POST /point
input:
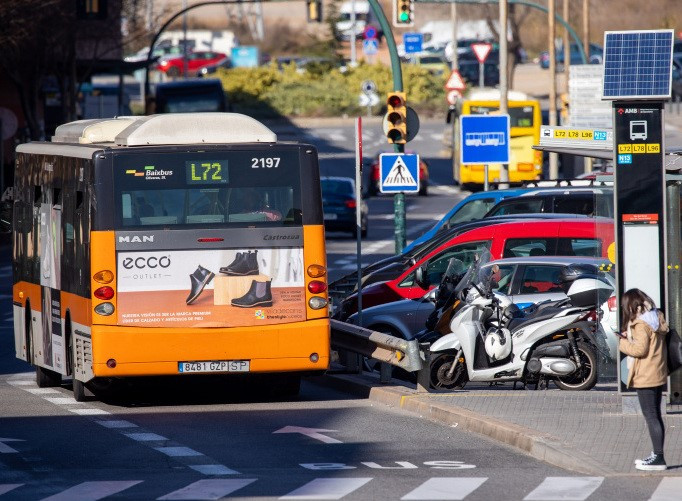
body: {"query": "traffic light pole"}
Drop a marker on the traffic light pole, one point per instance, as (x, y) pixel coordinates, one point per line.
(396, 70)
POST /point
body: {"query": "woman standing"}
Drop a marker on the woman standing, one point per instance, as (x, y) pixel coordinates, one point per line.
(644, 343)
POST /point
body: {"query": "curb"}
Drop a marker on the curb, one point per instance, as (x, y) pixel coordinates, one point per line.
(540, 446)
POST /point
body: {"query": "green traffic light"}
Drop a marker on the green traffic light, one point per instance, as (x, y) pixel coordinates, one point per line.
(404, 17)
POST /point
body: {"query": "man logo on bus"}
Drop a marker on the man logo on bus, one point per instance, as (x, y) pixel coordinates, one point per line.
(136, 239)
(150, 262)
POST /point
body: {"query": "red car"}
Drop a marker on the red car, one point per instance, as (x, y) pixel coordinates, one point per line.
(556, 237)
(375, 175)
(174, 66)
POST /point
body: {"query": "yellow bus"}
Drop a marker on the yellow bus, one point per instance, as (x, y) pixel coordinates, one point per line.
(525, 122)
(170, 244)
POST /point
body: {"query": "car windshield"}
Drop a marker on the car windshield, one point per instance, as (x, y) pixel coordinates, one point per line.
(336, 187)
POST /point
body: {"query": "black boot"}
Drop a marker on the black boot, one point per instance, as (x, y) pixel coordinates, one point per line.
(238, 259)
(259, 295)
(198, 280)
(247, 265)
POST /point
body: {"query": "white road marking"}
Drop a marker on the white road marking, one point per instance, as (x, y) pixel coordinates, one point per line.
(565, 489)
(445, 488)
(62, 400)
(436, 136)
(213, 469)
(20, 382)
(178, 451)
(327, 488)
(145, 437)
(8, 487)
(92, 491)
(668, 490)
(214, 488)
(43, 391)
(89, 412)
(310, 432)
(21, 375)
(116, 423)
(6, 449)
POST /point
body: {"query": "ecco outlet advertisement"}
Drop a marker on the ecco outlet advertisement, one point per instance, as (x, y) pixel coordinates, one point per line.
(211, 288)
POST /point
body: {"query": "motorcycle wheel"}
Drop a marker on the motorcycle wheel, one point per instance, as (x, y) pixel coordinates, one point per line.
(440, 366)
(588, 374)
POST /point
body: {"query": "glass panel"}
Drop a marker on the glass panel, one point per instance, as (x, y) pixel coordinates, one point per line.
(579, 247)
(518, 116)
(541, 279)
(503, 278)
(575, 205)
(521, 206)
(524, 247)
(475, 209)
(464, 252)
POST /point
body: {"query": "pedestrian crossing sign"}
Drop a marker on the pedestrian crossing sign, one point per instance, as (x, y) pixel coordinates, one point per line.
(399, 173)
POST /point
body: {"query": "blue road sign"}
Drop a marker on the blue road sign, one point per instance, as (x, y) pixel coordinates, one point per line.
(245, 56)
(370, 32)
(484, 139)
(399, 173)
(370, 46)
(413, 42)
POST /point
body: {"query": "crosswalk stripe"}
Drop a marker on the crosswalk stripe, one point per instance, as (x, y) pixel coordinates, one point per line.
(209, 489)
(213, 469)
(145, 437)
(669, 489)
(92, 491)
(43, 391)
(327, 488)
(62, 400)
(445, 488)
(565, 489)
(116, 423)
(178, 451)
(89, 412)
(8, 487)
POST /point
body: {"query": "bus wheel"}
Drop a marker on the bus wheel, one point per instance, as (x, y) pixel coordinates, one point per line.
(46, 378)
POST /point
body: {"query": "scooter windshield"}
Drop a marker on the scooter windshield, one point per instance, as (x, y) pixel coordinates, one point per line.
(475, 275)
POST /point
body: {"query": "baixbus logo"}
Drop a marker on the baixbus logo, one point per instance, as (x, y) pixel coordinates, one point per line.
(150, 172)
(135, 239)
(142, 263)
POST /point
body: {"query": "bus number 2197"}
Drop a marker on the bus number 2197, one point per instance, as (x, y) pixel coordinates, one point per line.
(265, 163)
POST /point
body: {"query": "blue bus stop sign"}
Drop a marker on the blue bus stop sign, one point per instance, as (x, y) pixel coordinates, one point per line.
(413, 42)
(484, 139)
(399, 173)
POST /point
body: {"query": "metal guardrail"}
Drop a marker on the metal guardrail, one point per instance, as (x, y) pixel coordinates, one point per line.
(410, 356)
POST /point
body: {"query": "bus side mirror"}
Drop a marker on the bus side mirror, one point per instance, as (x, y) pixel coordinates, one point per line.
(421, 278)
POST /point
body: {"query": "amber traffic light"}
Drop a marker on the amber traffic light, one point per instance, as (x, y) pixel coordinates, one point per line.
(396, 118)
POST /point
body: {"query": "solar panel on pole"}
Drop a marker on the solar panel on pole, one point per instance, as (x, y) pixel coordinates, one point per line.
(637, 64)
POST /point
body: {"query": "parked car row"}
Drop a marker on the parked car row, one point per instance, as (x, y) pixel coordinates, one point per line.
(532, 233)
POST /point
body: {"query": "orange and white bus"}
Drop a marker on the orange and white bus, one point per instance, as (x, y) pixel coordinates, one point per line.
(169, 245)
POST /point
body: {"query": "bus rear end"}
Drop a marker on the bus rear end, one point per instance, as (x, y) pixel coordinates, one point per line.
(208, 259)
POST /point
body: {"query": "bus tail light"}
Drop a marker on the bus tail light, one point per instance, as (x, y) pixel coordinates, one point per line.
(525, 167)
(351, 204)
(103, 277)
(317, 303)
(316, 270)
(104, 309)
(317, 287)
(105, 293)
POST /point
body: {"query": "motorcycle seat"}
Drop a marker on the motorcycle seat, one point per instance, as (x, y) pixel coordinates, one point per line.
(547, 311)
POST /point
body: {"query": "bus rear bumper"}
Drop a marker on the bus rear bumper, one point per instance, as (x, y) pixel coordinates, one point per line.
(134, 351)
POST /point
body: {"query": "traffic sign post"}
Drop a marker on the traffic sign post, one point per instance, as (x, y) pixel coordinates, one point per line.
(484, 139)
(481, 51)
(399, 173)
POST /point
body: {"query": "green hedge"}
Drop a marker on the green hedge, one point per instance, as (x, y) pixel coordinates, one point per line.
(324, 91)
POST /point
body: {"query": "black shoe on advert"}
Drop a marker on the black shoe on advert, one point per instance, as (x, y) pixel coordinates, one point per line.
(259, 295)
(238, 258)
(247, 265)
(652, 463)
(198, 280)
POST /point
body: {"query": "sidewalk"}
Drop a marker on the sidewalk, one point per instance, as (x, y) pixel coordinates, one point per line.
(581, 431)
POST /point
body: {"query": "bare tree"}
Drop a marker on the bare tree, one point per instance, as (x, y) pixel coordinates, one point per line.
(518, 15)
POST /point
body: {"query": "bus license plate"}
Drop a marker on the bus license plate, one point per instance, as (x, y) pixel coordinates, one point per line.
(214, 366)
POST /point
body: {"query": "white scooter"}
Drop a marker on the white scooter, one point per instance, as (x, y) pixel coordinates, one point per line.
(491, 340)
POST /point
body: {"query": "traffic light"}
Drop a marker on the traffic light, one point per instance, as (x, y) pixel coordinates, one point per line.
(314, 11)
(396, 118)
(403, 13)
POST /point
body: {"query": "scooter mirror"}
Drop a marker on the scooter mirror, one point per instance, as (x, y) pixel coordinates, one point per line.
(421, 278)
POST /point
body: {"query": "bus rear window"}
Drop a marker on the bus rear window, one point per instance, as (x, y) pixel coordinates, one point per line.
(209, 189)
(519, 116)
